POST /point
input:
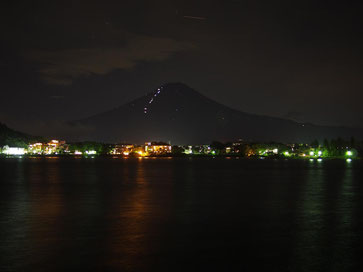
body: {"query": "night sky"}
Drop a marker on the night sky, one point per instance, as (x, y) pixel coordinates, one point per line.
(66, 60)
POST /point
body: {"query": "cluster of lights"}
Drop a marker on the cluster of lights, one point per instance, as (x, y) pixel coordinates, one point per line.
(349, 154)
(16, 151)
(264, 152)
(319, 153)
(189, 150)
(45, 148)
(152, 99)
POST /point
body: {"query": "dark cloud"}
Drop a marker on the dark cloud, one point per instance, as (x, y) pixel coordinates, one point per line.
(63, 66)
(78, 39)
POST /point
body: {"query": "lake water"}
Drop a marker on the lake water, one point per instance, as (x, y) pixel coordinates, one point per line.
(180, 214)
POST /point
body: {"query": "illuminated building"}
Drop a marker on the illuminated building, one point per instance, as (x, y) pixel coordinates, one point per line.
(36, 148)
(157, 148)
(17, 151)
(53, 147)
(123, 149)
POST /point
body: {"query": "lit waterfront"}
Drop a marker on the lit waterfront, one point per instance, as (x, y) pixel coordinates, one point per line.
(341, 149)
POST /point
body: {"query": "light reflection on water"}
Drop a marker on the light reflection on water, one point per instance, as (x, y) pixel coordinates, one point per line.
(175, 214)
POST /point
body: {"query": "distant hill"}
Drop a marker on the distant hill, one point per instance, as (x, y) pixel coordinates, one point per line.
(15, 138)
(175, 112)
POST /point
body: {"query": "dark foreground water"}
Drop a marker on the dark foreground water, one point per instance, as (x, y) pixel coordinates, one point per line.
(105, 214)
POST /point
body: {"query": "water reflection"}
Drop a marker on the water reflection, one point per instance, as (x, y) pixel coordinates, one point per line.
(130, 219)
(138, 214)
(14, 216)
(324, 233)
(47, 209)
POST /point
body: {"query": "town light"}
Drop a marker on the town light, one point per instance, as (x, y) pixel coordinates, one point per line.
(13, 151)
(91, 152)
(188, 151)
(319, 153)
(311, 153)
(349, 160)
(349, 153)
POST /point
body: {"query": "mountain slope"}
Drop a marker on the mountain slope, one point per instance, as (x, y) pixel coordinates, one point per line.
(174, 112)
(14, 138)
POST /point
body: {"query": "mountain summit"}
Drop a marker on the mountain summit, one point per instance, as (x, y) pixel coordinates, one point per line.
(175, 112)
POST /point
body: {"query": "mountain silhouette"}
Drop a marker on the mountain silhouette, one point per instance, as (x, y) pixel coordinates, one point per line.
(177, 113)
(15, 138)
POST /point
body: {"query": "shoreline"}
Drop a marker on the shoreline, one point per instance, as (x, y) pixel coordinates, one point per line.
(280, 158)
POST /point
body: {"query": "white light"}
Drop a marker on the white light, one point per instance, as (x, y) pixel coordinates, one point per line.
(349, 160)
(320, 160)
(13, 151)
(77, 152)
(91, 152)
(275, 151)
(319, 153)
(311, 160)
(349, 153)
(311, 153)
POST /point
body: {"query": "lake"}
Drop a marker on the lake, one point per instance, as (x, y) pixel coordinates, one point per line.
(180, 214)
